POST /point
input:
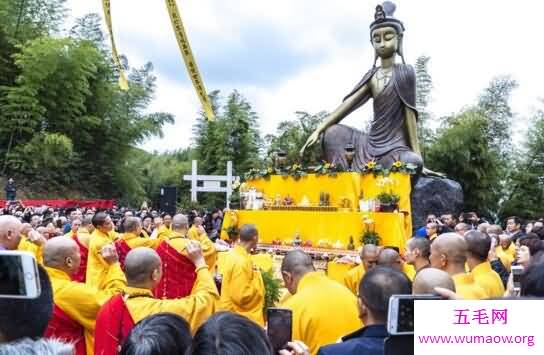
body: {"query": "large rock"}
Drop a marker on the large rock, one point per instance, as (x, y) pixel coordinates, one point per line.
(435, 195)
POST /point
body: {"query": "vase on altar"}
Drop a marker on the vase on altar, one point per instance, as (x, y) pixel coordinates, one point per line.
(388, 207)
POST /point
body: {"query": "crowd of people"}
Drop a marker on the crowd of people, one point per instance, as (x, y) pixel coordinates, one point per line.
(142, 282)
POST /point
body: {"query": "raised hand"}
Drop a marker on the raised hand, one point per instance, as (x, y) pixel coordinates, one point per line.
(109, 253)
(194, 252)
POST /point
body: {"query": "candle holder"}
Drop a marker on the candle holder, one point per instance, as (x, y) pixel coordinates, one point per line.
(349, 153)
(281, 159)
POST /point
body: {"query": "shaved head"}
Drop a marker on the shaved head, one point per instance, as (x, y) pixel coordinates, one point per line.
(179, 222)
(140, 263)
(297, 263)
(453, 246)
(56, 251)
(421, 244)
(427, 279)
(390, 258)
(10, 232)
(478, 245)
(369, 256)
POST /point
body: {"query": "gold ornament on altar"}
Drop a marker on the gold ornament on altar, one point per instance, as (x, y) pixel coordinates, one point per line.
(305, 202)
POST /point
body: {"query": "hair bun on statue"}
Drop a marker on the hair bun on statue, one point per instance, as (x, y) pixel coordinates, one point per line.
(384, 17)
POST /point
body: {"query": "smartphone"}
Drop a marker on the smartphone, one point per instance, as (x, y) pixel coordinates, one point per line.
(400, 318)
(280, 327)
(517, 271)
(18, 275)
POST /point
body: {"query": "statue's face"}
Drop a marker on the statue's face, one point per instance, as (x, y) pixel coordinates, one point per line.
(385, 41)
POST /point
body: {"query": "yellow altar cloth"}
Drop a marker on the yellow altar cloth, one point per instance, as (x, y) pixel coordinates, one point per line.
(315, 226)
(344, 185)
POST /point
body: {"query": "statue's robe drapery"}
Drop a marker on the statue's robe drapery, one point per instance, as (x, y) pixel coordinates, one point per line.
(387, 140)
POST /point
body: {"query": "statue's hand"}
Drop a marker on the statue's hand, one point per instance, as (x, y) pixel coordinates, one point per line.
(312, 139)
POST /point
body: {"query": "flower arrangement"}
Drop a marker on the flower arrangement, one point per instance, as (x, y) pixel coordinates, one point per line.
(388, 198)
(369, 236)
(372, 167)
(326, 168)
(297, 171)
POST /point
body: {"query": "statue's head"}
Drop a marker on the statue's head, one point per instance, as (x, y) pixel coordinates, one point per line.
(386, 32)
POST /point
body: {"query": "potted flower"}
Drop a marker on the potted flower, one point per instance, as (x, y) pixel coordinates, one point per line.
(389, 201)
(370, 236)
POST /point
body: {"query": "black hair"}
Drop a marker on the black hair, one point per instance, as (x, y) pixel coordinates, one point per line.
(478, 244)
(22, 318)
(531, 241)
(377, 286)
(227, 333)
(516, 219)
(532, 282)
(162, 333)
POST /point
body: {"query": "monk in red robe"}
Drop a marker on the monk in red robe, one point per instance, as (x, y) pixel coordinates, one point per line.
(131, 239)
(177, 269)
(77, 304)
(143, 271)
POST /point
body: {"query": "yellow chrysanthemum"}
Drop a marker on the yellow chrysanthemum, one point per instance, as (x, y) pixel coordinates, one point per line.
(397, 164)
(270, 170)
(371, 164)
(327, 166)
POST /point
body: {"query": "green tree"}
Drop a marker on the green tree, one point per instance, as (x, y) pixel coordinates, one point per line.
(89, 28)
(291, 135)
(233, 136)
(494, 103)
(463, 152)
(525, 185)
(24, 20)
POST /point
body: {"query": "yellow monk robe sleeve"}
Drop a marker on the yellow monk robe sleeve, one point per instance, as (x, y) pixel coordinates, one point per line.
(28, 246)
(208, 250)
(247, 290)
(82, 302)
(199, 305)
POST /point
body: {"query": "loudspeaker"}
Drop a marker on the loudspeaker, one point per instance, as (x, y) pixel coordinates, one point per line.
(168, 199)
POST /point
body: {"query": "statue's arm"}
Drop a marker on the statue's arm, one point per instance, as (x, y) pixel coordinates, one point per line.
(411, 129)
(344, 109)
(338, 115)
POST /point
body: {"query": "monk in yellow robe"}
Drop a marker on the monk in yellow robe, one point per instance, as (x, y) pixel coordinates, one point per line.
(132, 239)
(479, 245)
(97, 267)
(323, 309)
(506, 251)
(242, 288)
(197, 228)
(449, 253)
(369, 258)
(375, 290)
(143, 271)
(165, 230)
(77, 304)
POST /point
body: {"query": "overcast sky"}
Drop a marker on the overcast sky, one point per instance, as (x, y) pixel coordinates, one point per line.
(305, 55)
